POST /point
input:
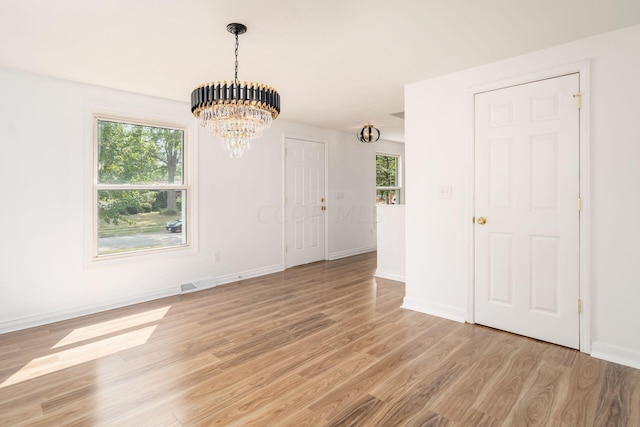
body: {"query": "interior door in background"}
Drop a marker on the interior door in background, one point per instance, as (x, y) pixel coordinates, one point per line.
(305, 205)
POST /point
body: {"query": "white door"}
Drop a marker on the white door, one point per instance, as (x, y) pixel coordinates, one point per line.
(527, 190)
(305, 202)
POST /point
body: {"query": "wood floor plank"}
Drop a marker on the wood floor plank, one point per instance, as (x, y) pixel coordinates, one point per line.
(415, 402)
(475, 418)
(405, 377)
(316, 345)
(127, 396)
(431, 419)
(18, 415)
(536, 404)
(508, 386)
(304, 418)
(585, 382)
(347, 394)
(296, 400)
(258, 398)
(231, 388)
(360, 413)
(618, 399)
(474, 383)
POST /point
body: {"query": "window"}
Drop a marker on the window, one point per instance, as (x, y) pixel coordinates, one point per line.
(140, 191)
(388, 185)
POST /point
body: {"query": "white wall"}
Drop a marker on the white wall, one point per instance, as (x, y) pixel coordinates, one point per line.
(439, 139)
(45, 166)
(391, 242)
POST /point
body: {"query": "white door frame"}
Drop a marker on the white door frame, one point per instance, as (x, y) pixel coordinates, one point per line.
(283, 208)
(583, 68)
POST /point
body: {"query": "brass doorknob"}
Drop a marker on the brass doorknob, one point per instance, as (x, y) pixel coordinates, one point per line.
(482, 220)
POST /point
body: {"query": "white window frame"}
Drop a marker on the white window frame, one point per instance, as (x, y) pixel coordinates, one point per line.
(397, 188)
(187, 208)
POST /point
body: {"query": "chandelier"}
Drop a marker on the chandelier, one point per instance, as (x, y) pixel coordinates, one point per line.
(235, 112)
(366, 134)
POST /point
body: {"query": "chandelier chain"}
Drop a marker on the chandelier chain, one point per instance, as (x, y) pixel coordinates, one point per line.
(237, 45)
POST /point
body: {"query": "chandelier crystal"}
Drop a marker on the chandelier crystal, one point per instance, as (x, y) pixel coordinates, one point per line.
(235, 112)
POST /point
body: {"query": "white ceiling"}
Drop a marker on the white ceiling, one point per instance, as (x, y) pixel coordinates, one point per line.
(337, 64)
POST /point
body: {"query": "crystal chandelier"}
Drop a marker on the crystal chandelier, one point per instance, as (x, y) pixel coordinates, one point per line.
(235, 112)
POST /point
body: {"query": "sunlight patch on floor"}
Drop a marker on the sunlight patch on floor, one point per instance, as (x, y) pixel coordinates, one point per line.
(54, 362)
(111, 326)
(65, 359)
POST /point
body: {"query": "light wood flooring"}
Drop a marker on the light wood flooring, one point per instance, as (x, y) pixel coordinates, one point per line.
(322, 344)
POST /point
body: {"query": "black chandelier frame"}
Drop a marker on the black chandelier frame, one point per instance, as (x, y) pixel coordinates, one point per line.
(235, 93)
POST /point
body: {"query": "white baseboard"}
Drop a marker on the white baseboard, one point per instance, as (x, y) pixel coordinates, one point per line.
(351, 252)
(57, 316)
(613, 353)
(389, 275)
(440, 310)
(244, 275)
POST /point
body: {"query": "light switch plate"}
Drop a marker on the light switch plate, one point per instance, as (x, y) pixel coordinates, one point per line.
(444, 192)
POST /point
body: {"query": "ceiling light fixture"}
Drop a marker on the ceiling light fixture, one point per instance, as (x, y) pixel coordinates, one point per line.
(235, 112)
(366, 134)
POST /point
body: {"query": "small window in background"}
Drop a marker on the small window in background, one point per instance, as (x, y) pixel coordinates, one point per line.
(140, 192)
(388, 186)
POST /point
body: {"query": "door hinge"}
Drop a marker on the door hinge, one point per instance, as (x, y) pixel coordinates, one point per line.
(579, 204)
(578, 97)
(286, 248)
(579, 306)
(285, 152)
